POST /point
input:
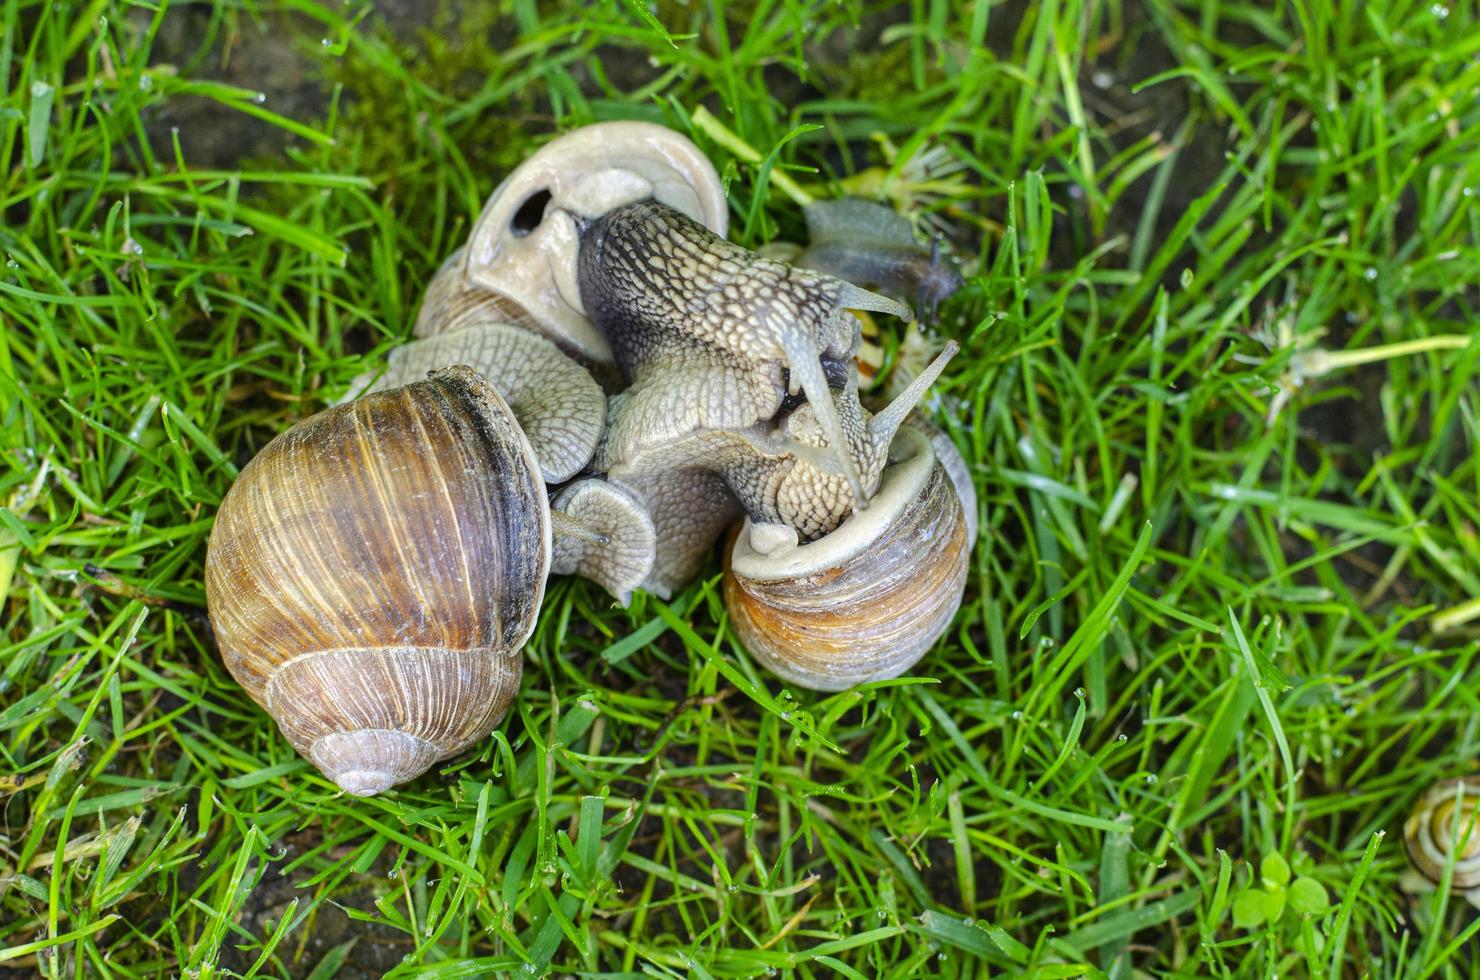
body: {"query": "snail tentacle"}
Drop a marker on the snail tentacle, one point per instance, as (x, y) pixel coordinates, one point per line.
(604, 533)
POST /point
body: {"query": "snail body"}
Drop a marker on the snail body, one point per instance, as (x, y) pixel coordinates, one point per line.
(715, 341)
(692, 314)
(776, 473)
(867, 243)
(370, 596)
(1446, 818)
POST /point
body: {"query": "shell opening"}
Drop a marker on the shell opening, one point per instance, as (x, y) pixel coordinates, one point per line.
(901, 483)
(529, 215)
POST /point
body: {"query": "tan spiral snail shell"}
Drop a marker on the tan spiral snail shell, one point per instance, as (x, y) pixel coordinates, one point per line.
(374, 571)
(1445, 826)
(866, 601)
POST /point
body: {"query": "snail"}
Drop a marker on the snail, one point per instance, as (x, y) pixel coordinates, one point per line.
(1446, 819)
(522, 254)
(375, 570)
(711, 335)
(866, 601)
(370, 596)
(715, 341)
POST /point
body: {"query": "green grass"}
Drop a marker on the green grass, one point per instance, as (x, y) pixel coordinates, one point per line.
(1225, 605)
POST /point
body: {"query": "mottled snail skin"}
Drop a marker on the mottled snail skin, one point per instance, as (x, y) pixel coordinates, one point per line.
(720, 331)
(690, 508)
(374, 571)
(872, 245)
(559, 406)
(1448, 813)
(865, 602)
(695, 485)
(778, 471)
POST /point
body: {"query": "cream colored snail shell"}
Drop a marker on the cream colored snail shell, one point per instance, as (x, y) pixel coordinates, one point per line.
(374, 572)
(868, 600)
(1448, 813)
(524, 246)
(451, 302)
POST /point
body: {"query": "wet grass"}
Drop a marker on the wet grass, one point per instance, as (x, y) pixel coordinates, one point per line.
(1218, 389)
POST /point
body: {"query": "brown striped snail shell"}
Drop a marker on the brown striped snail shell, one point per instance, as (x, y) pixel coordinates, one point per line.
(866, 601)
(1446, 817)
(374, 571)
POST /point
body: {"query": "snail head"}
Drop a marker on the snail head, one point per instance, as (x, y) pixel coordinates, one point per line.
(813, 496)
(664, 289)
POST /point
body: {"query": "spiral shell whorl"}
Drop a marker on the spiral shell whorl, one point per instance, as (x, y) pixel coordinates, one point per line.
(1433, 830)
(452, 302)
(374, 571)
(865, 616)
(395, 711)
